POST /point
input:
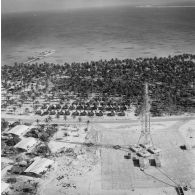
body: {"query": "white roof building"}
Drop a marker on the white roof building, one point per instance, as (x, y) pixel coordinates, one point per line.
(19, 130)
(39, 165)
(4, 186)
(27, 144)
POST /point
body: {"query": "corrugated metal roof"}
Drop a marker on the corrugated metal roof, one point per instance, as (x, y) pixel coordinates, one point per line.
(26, 143)
(19, 130)
(4, 186)
(39, 165)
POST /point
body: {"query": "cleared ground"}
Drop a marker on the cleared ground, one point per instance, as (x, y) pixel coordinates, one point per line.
(102, 170)
(121, 174)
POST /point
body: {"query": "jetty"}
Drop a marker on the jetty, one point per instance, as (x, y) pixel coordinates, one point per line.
(39, 56)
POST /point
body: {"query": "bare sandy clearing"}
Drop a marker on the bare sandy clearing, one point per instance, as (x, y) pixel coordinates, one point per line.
(99, 170)
(188, 132)
(120, 174)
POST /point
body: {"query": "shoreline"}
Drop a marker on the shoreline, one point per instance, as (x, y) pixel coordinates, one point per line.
(53, 59)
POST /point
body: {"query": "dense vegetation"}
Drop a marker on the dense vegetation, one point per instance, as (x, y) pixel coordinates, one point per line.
(44, 133)
(171, 80)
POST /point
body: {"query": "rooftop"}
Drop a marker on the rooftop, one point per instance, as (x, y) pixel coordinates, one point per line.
(39, 165)
(26, 143)
(19, 130)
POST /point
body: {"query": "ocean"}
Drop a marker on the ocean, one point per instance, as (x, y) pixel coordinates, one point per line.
(94, 34)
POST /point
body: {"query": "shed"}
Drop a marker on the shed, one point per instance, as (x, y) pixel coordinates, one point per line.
(26, 144)
(39, 166)
(19, 130)
(73, 129)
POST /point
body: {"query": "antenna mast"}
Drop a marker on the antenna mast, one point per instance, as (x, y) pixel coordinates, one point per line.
(145, 121)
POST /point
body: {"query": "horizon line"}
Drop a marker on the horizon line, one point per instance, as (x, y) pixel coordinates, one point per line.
(99, 7)
(165, 6)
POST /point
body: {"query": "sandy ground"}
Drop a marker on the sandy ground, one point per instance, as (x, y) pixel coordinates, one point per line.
(101, 170)
(61, 141)
(188, 132)
(61, 119)
(71, 169)
(32, 118)
(105, 171)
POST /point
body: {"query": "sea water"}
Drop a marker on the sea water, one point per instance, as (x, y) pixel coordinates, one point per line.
(93, 34)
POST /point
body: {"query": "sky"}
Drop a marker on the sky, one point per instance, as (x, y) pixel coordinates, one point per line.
(44, 5)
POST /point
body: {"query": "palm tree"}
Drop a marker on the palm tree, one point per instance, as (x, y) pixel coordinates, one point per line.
(37, 121)
(5, 193)
(19, 121)
(49, 119)
(73, 116)
(20, 105)
(35, 185)
(26, 110)
(46, 120)
(14, 108)
(35, 107)
(88, 123)
(4, 124)
(58, 115)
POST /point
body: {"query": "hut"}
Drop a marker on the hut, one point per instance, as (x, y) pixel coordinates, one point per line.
(57, 106)
(79, 107)
(71, 108)
(111, 113)
(46, 112)
(39, 112)
(73, 129)
(61, 112)
(100, 113)
(84, 113)
(76, 113)
(67, 112)
(90, 113)
(52, 112)
(51, 107)
(121, 113)
(65, 107)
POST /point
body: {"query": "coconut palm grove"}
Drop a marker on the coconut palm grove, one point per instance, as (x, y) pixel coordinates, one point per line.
(171, 82)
